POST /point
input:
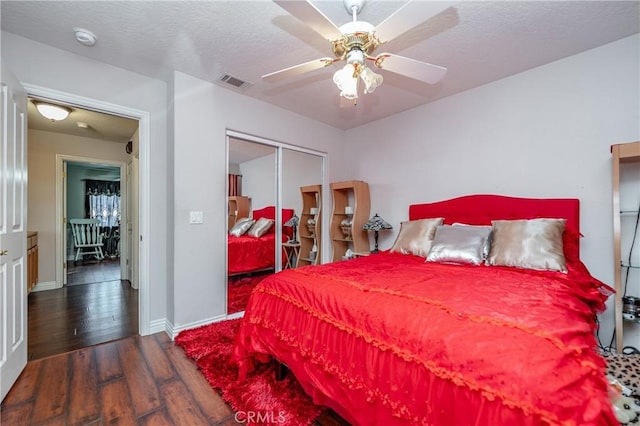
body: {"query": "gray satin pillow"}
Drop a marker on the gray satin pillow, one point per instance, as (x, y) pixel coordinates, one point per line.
(261, 227)
(241, 226)
(463, 244)
(531, 244)
(487, 245)
(415, 236)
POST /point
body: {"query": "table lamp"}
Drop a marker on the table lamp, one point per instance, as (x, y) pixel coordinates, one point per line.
(375, 224)
(293, 223)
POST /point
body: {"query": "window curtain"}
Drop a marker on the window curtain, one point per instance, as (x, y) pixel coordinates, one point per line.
(103, 202)
(235, 185)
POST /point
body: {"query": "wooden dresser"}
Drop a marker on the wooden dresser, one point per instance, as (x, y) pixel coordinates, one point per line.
(32, 260)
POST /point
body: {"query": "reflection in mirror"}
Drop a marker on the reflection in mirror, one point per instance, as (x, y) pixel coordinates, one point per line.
(252, 207)
(251, 241)
(302, 192)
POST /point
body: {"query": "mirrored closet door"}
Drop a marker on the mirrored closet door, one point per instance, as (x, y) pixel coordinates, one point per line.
(266, 212)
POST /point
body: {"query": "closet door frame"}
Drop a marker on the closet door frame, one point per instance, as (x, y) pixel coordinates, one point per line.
(279, 148)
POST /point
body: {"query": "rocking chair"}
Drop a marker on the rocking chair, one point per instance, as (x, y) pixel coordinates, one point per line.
(87, 237)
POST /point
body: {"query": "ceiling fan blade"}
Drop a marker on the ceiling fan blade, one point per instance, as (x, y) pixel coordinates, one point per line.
(298, 69)
(417, 70)
(408, 16)
(312, 16)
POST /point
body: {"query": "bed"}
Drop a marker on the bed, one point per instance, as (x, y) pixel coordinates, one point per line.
(390, 339)
(247, 254)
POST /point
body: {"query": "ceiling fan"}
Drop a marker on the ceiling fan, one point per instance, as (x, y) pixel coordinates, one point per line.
(355, 42)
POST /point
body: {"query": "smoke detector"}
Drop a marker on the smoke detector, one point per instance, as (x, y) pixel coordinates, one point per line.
(85, 37)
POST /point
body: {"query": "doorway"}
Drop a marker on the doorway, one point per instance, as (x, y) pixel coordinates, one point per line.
(93, 191)
(80, 288)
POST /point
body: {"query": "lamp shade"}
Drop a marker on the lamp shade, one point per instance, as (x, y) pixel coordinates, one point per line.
(376, 223)
(52, 112)
(371, 79)
(294, 221)
(347, 81)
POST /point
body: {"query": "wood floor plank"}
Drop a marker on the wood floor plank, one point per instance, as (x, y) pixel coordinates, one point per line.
(144, 392)
(116, 404)
(212, 405)
(84, 407)
(51, 394)
(25, 388)
(158, 362)
(108, 362)
(180, 405)
(157, 418)
(16, 414)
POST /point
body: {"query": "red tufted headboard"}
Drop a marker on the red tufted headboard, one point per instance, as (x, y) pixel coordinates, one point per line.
(269, 212)
(482, 209)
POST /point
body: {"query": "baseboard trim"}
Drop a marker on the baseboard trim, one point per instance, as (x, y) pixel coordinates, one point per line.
(173, 331)
(44, 286)
(157, 326)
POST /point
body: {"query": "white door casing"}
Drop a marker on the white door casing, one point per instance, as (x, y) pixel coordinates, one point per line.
(141, 255)
(13, 231)
(62, 248)
(65, 221)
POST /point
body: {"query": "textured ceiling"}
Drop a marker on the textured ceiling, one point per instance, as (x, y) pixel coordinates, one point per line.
(478, 42)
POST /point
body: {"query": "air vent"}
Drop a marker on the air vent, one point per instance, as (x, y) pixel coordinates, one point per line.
(234, 81)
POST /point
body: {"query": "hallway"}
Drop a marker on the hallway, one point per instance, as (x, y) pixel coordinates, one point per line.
(95, 307)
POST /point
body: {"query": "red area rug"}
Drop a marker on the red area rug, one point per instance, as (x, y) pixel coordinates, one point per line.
(239, 289)
(264, 400)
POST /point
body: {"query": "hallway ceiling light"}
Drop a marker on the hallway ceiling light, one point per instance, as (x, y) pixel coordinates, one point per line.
(53, 112)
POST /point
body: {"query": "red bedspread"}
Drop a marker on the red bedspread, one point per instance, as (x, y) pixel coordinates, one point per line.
(248, 254)
(388, 339)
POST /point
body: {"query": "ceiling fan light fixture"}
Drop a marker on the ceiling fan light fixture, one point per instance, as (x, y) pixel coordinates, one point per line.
(371, 79)
(52, 112)
(346, 79)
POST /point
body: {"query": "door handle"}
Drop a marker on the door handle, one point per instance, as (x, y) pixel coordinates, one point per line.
(4, 252)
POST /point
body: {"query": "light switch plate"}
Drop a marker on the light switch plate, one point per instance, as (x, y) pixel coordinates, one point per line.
(196, 217)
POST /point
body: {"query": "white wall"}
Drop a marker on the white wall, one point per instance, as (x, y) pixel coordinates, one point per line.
(542, 133)
(259, 181)
(202, 113)
(41, 156)
(44, 66)
(298, 169)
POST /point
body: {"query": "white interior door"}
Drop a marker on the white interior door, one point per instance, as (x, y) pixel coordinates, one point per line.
(13, 231)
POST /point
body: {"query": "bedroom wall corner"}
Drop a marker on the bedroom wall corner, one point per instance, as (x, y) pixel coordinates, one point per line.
(545, 132)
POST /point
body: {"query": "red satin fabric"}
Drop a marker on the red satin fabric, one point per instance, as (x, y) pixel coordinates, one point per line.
(248, 254)
(389, 339)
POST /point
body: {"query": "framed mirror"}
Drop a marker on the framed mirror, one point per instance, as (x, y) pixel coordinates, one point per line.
(264, 201)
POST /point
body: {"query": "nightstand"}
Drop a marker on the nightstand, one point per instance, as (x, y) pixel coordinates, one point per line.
(291, 254)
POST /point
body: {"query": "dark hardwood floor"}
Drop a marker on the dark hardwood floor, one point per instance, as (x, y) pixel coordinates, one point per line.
(95, 307)
(131, 381)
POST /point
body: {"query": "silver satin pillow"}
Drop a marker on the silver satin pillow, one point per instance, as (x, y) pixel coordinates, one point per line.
(261, 227)
(464, 244)
(415, 236)
(241, 227)
(531, 244)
